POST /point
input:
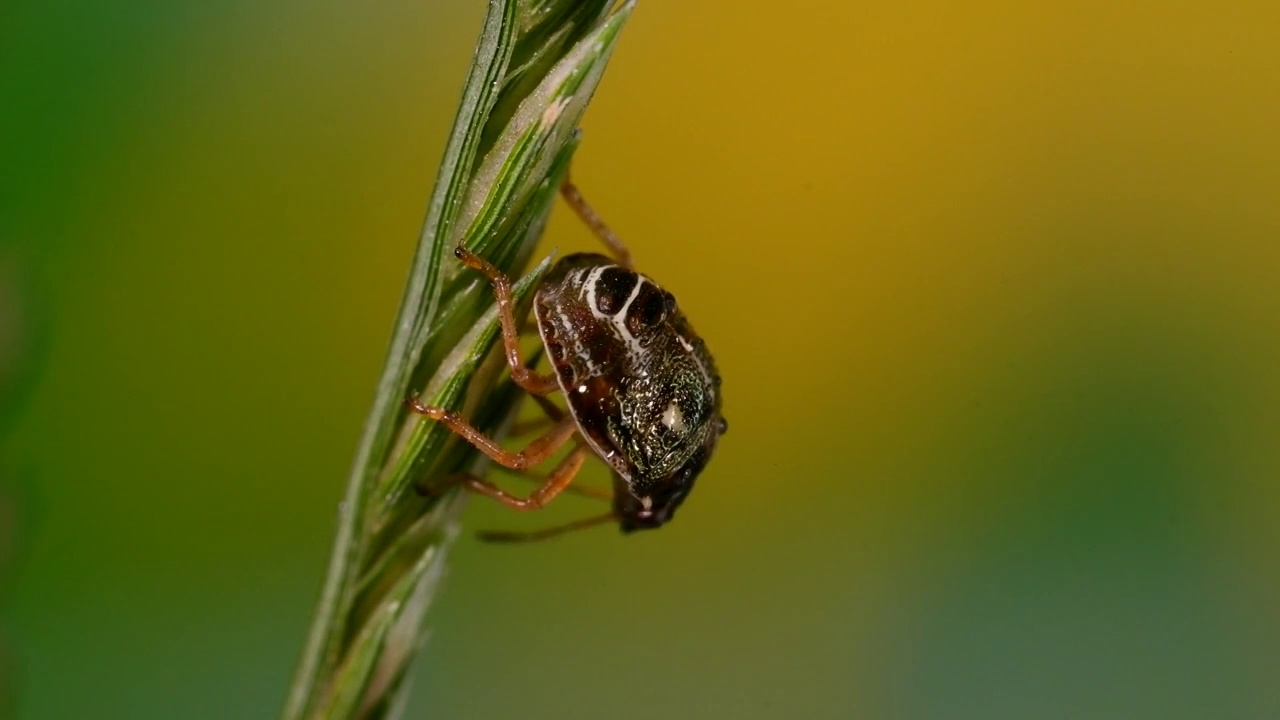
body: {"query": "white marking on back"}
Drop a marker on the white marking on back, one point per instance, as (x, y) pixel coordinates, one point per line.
(589, 290)
(619, 320)
(674, 419)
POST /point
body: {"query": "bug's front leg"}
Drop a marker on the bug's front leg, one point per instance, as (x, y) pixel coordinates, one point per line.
(524, 377)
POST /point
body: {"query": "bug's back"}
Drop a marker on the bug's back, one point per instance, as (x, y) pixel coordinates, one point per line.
(639, 381)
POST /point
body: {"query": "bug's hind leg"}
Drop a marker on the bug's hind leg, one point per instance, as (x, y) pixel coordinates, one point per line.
(573, 196)
(538, 449)
(524, 377)
(554, 484)
(579, 490)
(551, 414)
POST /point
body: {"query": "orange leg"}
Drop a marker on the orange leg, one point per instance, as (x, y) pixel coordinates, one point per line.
(553, 414)
(536, 451)
(523, 376)
(573, 196)
(589, 492)
(555, 484)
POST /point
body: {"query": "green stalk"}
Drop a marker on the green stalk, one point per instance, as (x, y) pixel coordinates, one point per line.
(537, 64)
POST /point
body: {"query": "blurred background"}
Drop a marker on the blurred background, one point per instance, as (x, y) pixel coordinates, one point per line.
(994, 287)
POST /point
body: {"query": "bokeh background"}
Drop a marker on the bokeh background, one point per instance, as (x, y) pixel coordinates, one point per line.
(994, 287)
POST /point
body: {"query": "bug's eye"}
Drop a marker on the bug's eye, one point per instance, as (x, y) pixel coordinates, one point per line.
(724, 425)
(647, 310)
(613, 287)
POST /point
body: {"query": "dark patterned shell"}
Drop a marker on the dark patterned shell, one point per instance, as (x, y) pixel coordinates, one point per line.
(639, 381)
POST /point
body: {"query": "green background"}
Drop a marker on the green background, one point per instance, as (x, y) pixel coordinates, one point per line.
(994, 287)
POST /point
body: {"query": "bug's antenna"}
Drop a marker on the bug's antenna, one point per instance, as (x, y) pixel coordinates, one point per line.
(501, 536)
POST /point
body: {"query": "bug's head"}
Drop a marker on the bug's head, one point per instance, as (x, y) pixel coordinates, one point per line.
(654, 507)
(654, 504)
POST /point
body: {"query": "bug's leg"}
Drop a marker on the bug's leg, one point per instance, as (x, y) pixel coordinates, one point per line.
(590, 492)
(523, 376)
(536, 451)
(573, 196)
(579, 490)
(586, 492)
(555, 484)
(499, 536)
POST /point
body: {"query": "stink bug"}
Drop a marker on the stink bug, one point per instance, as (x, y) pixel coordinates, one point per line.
(642, 390)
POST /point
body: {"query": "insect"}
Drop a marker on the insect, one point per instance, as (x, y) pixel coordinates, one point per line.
(642, 390)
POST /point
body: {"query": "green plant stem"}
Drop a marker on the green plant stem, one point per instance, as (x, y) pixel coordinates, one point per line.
(536, 65)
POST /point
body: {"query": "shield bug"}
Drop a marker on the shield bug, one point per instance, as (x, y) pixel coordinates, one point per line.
(641, 388)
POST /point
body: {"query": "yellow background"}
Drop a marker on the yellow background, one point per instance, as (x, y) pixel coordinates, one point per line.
(993, 287)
